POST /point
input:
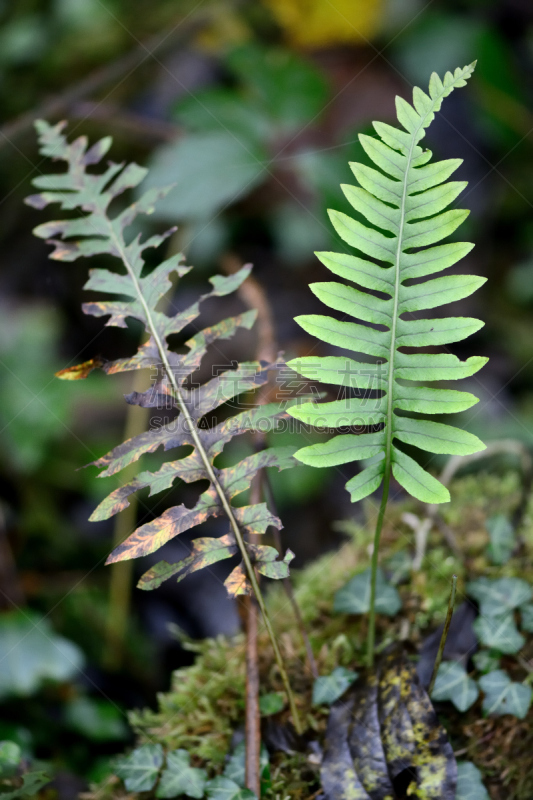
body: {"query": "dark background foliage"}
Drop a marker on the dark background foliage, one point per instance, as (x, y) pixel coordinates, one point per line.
(253, 108)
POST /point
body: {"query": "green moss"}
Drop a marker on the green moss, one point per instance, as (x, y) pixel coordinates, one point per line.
(205, 704)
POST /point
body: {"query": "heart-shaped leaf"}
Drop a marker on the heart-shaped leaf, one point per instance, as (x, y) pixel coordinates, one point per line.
(271, 703)
(486, 660)
(179, 777)
(222, 788)
(526, 617)
(354, 598)
(139, 770)
(503, 696)
(453, 684)
(502, 538)
(499, 633)
(496, 596)
(329, 688)
(469, 784)
(234, 769)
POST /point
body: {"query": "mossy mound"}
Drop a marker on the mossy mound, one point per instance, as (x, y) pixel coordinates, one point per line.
(205, 705)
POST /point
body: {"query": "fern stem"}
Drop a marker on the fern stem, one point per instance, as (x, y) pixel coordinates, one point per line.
(191, 426)
(374, 570)
(121, 580)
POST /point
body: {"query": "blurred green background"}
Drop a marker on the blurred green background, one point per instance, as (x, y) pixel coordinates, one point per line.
(253, 110)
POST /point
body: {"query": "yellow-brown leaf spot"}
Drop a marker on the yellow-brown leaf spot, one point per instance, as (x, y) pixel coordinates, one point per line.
(237, 583)
(80, 371)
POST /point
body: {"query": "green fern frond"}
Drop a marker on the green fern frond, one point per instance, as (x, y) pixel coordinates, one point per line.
(404, 199)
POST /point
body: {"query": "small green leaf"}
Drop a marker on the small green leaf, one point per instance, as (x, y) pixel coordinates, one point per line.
(98, 720)
(469, 784)
(354, 598)
(32, 782)
(486, 660)
(399, 566)
(502, 539)
(328, 688)
(526, 616)
(225, 789)
(211, 169)
(502, 696)
(496, 596)
(271, 703)
(454, 684)
(179, 777)
(499, 632)
(234, 769)
(10, 757)
(31, 652)
(139, 770)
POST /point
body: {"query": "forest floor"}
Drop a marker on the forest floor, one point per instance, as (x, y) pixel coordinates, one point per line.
(204, 710)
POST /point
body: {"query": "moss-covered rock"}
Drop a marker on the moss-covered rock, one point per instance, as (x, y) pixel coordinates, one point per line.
(205, 705)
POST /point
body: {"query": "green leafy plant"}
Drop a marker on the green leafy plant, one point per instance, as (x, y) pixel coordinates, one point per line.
(139, 291)
(498, 634)
(329, 688)
(171, 775)
(32, 654)
(404, 201)
(16, 779)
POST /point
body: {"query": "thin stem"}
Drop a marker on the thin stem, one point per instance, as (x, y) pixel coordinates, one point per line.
(191, 426)
(446, 630)
(287, 584)
(252, 758)
(374, 570)
(252, 776)
(122, 571)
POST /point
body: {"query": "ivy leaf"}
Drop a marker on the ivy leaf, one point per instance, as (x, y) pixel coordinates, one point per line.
(225, 789)
(496, 596)
(526, 616)
(179, 777)
(271, 703)
(486, 660)
(469, 783)
(453, 684)
(32, 782)
(502, 538)
(328, 689)
(354, 598)
(234, 769)
(31, 652)
(499, 633)
(503, 696)
(139, 769)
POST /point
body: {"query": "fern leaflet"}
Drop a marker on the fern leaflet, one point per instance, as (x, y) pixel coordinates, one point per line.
(404, 200)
